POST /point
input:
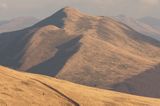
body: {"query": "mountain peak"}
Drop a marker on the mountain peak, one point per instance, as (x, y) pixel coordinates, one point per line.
(70, 11)
(59, 17)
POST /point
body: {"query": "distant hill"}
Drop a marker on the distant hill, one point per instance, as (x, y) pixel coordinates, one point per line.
(3, 22)
(89, 50)
(154, 22)
(140, 26)
(17, 24)
(22, 89)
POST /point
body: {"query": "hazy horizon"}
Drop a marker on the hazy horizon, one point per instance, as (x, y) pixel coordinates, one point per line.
(41, 9)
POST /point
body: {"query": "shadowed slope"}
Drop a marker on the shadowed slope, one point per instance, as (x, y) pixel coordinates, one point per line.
(52, 67)
(29, 89)
(12, 47)
(144, 84)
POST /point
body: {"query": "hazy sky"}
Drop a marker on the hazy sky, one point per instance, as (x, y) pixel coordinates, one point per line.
(43, 8)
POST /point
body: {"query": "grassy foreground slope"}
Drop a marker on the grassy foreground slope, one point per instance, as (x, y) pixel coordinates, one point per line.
(22, 89)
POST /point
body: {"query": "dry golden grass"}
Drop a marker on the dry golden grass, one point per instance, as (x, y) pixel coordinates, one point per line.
(22, 89)
(90, 50)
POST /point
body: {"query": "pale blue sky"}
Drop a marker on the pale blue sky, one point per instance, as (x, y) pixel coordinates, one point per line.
(43, 8)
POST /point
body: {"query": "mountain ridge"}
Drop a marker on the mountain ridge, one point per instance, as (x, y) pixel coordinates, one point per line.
(90, 50)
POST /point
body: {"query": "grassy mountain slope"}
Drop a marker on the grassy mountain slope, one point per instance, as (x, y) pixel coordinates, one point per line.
(22, 89)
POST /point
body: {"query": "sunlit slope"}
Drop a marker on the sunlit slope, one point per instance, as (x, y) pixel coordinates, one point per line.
(22, 89)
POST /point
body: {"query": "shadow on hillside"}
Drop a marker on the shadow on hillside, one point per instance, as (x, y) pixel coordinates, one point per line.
(144, 84)
(12, 46)
(56, 19)
(52, 66)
